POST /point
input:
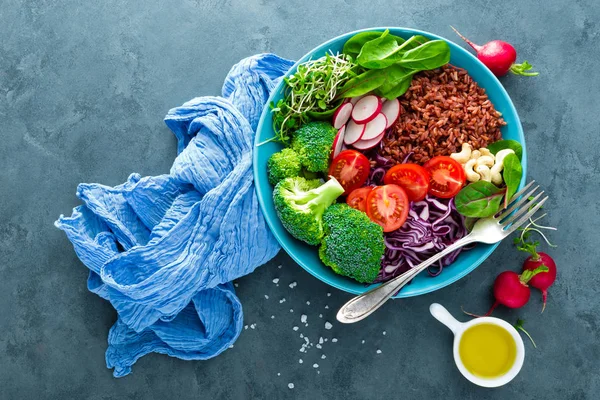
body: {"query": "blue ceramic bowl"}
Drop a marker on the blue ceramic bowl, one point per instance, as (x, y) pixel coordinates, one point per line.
(307, 256)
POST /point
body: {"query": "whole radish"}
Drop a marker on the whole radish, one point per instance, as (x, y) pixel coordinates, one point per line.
(543, 280)
(499, 57)
(511, 289)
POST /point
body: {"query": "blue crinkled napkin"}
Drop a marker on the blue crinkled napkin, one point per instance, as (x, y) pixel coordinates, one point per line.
(164, 249)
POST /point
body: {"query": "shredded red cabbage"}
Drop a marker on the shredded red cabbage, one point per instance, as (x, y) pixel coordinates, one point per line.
(432, 225)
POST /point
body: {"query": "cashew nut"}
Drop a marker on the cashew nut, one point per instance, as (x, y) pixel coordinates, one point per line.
(485, 152)
(485, 160)
(475, 154)
(472, 176)
(499, 165)
(464, 154)
(484, 172)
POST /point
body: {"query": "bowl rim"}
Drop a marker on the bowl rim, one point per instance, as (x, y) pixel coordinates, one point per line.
(434, 286)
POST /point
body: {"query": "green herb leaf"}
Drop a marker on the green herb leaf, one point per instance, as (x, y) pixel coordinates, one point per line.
(398, 89)
(385, 51)
(427, 56)
(480, 199)
(354, 45)
(519, 326)
(363, 83)
(512, 174)
(522, 69)
(506, 144)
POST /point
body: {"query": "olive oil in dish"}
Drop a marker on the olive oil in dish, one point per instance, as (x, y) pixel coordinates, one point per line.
(487, 350)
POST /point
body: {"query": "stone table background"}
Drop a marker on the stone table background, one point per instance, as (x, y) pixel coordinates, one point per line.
(84, 86)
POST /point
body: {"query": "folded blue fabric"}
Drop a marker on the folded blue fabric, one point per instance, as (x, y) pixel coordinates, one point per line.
(164, 249)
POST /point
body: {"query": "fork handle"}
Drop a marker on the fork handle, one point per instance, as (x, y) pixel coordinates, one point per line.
(365, 304)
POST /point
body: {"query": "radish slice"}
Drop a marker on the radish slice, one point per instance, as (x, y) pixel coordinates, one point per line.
(368, 144)
(338, 142)
(355, 99)
(366, 109)
(375, 127)
(391, 110)
(353, 132)
(342, 115)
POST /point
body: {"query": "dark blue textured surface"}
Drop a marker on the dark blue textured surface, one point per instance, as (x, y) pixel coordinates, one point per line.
(84, 87)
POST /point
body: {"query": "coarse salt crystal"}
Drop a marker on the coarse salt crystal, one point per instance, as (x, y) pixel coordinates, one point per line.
(236, 285)
(301, 336)
(318, 346)
(272, 317)
(315, 365)
(378, 351)
(303, 318)
(295, 328)
(279, 374)
(300, 361)
(252, 326)
(282, 300)
(308, 303)
(320, 315)
(328, 325)
(267, 297)
(293, 285)
(245, 326)
(328, 294)
(363, 342)
(334, 340)
(320, 340)
(291, 385)
(276, 280)
(384, 332)
(291, 310)
(323, 357)
(279, 266)
(326, 307)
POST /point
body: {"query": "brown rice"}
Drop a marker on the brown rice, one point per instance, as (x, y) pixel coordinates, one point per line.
(441, 110)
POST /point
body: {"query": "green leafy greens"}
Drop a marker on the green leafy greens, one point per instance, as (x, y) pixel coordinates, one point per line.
(506, 144)
(512, 174)
(480, 199)
(387, 63)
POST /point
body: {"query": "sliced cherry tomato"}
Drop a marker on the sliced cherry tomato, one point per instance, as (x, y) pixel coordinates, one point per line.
(351, 169)
(447, 176)
(413, 178)
(388, 206)
(358, 198)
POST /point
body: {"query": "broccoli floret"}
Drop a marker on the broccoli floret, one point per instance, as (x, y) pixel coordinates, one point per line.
(300, 205)
(352, 245)
(313, 143)
(284, 164)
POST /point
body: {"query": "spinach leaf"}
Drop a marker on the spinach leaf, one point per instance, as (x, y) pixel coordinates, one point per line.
(363, 83)
(385, 51)
(430, 55)
(480, 199)
(396, 88)
(506, 144)
(354, 45)
(512, 174)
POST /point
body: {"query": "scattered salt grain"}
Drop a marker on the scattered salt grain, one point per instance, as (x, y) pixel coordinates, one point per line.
(306, 340)
(282, 300)
(291, 310)
(267, 296)
(320, 340)
(236, 285)
(334, 340)
(328, 294)
(320, 315)
(272, 317)
(295, 328)
(300, 361)
(308, 303)
(276, 281)
(279, 266)
(303, 318)
(326, 307)
(328, 325)
(231, 346)
(301, 336)
(318, 346)
(252, 326)
(318, 372)
(325, 339)
(279, 374)
(323, 357)
(384, 333)
(245, 326)
(315, 365)
(378, 351)
(291, 385)
(363, 342)
(302, 349)
(293, 285)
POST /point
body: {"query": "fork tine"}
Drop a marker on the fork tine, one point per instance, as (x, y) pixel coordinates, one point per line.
(525, 204)
(516, 203)
(520, 192)
(524, 218)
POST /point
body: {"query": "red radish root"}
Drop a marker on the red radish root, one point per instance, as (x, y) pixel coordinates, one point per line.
(499, 57)
(543, 280)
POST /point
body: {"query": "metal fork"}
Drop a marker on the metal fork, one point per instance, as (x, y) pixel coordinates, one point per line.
(486, 230)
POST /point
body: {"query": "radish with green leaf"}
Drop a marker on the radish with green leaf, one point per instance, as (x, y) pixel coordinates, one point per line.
(499, 57)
